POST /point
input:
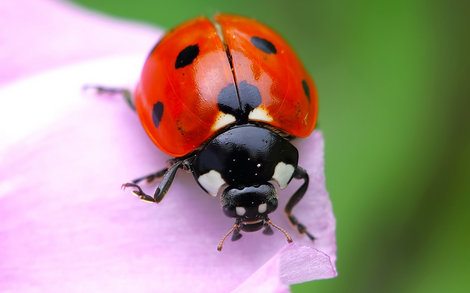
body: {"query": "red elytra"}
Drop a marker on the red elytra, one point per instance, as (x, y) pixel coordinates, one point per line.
(210, 86)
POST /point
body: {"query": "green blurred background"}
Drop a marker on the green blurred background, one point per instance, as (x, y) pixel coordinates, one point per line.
(393, 80)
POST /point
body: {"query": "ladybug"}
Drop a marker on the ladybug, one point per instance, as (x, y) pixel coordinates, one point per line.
(225, 97)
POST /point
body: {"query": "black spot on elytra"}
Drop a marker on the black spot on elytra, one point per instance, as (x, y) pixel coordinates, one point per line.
(187, 56)
(250, 97)
(157, 113)
(264, 45)
(239, 104)
(306, 89)
(228, 101)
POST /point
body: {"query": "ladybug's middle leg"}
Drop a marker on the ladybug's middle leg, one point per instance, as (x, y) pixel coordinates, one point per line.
(110, 90)
(152, 177)
(167, 176)
(299, 173)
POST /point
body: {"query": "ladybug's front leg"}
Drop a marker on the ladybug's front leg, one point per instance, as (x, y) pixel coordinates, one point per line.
(167, 175)
(299, 173)
(139, 192)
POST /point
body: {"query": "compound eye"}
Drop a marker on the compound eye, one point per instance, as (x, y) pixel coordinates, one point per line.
(230, 211)
(272, 205)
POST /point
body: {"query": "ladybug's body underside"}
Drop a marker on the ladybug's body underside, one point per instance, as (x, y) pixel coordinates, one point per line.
(223, 97)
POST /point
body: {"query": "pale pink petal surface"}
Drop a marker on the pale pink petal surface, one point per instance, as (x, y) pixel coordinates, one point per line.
(40, 34)
(66, 226)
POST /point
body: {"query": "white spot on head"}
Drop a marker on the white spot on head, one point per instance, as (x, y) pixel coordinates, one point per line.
(260, 114)
(222, 120)
(258, 165)
(211, 181)
(283, 174)
(240, 211)
(262, 208)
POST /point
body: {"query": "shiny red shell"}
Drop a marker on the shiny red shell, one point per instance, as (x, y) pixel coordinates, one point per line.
(178, 96)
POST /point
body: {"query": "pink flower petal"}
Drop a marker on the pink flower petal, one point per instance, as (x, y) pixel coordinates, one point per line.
(36, 35)
(66, 225)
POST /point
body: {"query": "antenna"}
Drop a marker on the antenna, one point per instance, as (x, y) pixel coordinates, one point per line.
(235, 226)
(289, 239)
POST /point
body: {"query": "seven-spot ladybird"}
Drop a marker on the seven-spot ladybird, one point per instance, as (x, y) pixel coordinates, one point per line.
(225, 97)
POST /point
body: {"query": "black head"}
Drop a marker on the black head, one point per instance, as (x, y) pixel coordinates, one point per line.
(241, 164)
(251, 205)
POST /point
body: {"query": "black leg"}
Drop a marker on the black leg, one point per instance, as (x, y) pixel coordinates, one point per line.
(109, 90)
(138, 192)
(152, 177)
(299, 173)
(302, 229)
(163, 187)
